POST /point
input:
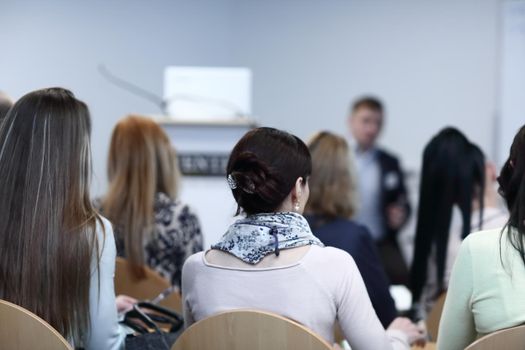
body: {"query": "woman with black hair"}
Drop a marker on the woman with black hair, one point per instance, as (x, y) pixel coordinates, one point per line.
(488, 279)
(451, 205)
(270, 260)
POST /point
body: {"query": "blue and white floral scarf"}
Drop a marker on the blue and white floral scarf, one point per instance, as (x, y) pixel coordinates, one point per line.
(256, 236)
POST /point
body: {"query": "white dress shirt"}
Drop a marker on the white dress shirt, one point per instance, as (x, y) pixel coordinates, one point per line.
(368, 186)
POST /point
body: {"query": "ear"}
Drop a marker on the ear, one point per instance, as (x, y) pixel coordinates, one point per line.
(298, 189)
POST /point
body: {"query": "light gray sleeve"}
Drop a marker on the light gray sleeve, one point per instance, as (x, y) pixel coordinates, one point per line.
(357, 317)
(187, 286)
(105, 331)
(456, 327)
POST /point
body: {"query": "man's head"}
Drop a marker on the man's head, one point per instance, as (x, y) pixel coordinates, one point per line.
(366, 120)
(5, 104)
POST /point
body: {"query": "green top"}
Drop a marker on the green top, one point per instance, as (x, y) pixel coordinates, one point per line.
(486, 291)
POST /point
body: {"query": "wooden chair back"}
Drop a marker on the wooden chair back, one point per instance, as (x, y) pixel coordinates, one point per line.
(249, 329)
(23, 330)
(434, 317)
(146, 288)
(338, 333)
(428, 346)
(507, 339)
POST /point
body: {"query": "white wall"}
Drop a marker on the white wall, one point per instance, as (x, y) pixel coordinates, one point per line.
(433, 62)
(512, 84)
(61, 42)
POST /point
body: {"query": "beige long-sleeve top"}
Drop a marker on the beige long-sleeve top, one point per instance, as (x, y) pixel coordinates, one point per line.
(323, 285)
(484, 294)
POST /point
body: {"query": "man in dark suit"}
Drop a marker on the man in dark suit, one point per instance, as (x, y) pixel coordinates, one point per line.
(384, 206)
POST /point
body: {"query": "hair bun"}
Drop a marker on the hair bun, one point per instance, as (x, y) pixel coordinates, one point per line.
(256, 183)
(250, 174)
(263, 167)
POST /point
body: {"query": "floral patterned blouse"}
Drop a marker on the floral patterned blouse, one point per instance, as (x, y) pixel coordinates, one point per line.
(176, 236)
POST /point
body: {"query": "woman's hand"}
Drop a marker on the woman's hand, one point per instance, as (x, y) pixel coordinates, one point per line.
(415, 334)
(125, 303)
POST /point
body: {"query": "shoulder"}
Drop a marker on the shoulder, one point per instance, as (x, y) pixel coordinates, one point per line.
(358, 242)
(104, 229)
(344, 234)
(386, 155)
(105, 223)
(483, 239)
(193, 263)
(357, 228)
(332, 268)
(105, 235)
(341, 224)
(353, 230)
(196, 258)
(104, 252)
(483, 247)
(173, 213)
(362, 235)
(164, 203)
(328, 257)
(387, 159)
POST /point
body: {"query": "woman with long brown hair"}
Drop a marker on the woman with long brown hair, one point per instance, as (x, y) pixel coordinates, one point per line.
(152, 227)
(57, 255)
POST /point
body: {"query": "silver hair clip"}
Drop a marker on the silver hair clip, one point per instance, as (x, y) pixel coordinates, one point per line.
(231, 182)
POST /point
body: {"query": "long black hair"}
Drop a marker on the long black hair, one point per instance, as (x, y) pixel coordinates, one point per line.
(453, 174)
(512, 188)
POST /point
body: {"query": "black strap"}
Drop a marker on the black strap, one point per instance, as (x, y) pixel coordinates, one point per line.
(273, 232)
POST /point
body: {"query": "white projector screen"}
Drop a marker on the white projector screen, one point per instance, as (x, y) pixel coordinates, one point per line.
(207, 93)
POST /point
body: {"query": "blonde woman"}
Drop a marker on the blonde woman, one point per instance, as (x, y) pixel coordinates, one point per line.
(152, 227)
(329, 211)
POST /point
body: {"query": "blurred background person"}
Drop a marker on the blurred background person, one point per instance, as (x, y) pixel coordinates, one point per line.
(152, 227)
(457, 196)
(383, 200)
(488, 279)
(5, 104)
(329, 210)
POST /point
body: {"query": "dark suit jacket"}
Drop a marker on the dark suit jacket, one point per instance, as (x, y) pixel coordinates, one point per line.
(356, 240)
(393, 189)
